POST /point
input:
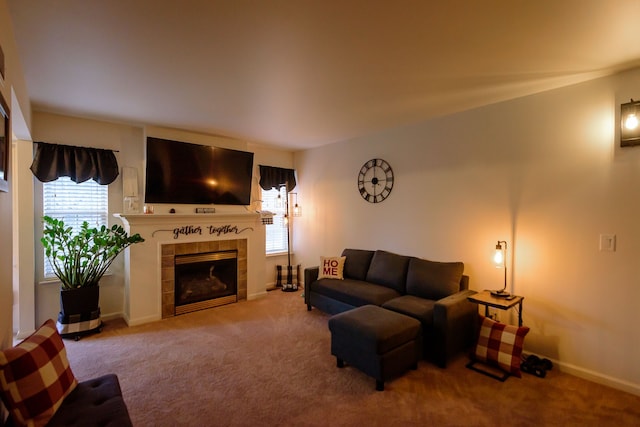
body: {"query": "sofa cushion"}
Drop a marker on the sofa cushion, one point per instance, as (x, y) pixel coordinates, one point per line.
(500, 345)
(353, 292)
(331, 267)
(433, 280)
(418, 308)
(95, 402)
(389, 269)
(357, 263)
(35, 376)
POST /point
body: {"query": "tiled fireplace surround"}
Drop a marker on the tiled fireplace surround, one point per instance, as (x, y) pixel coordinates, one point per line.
(167, 277)
(149, 266)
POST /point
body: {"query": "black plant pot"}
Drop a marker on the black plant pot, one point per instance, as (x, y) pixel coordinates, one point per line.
(79, 312)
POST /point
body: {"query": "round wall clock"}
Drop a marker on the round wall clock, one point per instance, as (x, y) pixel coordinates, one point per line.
(375, 180)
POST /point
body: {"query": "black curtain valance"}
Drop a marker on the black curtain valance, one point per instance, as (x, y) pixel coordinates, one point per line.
(52, 161)
(272, 177)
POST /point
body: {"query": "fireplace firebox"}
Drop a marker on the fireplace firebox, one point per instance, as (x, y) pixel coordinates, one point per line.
(205, 280)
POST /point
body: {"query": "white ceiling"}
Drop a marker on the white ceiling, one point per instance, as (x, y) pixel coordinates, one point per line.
(303, 73)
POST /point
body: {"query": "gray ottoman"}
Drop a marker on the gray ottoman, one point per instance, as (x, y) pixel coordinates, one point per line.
(381, 343)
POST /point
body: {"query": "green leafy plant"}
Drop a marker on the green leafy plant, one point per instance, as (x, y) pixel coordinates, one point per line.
(81, 259)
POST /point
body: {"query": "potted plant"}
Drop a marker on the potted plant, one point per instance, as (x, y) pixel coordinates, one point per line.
(79, 260)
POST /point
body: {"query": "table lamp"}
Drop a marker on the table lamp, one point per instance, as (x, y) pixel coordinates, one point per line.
(500, 260)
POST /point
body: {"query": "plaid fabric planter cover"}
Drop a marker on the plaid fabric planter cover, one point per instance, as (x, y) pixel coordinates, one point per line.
(287, 276)
(73, 324)
(79, 311)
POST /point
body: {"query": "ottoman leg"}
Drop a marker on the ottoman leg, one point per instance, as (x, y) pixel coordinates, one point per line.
(379, 385)
(340, 362)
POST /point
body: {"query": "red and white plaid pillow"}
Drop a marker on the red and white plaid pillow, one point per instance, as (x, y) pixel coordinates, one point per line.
(35, 377)
(500, 345)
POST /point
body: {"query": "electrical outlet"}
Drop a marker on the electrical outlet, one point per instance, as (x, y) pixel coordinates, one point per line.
(607, 243)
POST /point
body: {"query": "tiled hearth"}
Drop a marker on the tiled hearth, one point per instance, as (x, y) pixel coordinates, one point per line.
(169, 251)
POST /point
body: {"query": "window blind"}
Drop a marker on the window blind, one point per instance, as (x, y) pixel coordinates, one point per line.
(74, 203)
(276, 233)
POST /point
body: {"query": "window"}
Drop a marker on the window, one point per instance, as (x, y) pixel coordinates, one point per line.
(276, 233)
(74, 203)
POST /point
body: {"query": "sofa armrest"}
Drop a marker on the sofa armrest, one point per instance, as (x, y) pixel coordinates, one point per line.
(454, 325)
(310, 276)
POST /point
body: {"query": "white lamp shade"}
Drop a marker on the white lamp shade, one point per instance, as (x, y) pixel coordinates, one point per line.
(499, 256)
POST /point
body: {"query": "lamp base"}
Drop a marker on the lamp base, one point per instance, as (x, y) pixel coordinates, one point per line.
(289, 287)
(500, 294)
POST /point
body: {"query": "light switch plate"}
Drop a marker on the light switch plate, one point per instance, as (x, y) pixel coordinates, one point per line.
(607, 242)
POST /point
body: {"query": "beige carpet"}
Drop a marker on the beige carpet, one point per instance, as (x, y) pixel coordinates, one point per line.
(267, 362)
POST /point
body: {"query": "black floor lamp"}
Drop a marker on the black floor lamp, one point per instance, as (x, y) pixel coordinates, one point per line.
(290, 285)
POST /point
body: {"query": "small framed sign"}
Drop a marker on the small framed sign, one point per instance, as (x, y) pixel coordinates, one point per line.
(1, 65)
(5, 143)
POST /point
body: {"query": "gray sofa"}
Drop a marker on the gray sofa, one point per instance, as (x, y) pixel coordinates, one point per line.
(96, 402)
(435, 293)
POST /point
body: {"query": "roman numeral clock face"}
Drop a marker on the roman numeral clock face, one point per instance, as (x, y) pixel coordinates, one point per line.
(375, 180)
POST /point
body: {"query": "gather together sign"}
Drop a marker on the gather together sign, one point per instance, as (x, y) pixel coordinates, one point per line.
(188, 230)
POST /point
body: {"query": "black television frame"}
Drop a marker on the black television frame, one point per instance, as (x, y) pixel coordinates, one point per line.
(196, 174)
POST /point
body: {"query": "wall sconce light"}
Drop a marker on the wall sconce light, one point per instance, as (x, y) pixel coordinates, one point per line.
(500, 260)
(630, 124)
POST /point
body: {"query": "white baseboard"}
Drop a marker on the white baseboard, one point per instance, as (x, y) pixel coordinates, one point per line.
(256, 295)
(20, 335)
(112, 316)
(141, 320)
(596, 377)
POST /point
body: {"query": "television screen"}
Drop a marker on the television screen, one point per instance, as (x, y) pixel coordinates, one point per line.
(180, 172)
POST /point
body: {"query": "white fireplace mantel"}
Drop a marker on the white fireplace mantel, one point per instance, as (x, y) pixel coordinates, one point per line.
(143, 261)
(139, 218)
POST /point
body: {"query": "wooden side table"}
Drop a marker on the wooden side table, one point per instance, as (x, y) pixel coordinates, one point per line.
(485, 298)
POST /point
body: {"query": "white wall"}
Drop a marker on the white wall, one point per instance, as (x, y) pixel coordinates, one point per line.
(23, 241)
(281, 159)
(544, 173)
(59, 129)
(14, 92)
(129, 141)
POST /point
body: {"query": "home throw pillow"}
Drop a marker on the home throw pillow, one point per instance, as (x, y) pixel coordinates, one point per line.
(500, 345)
(35, 376)
(331, 267)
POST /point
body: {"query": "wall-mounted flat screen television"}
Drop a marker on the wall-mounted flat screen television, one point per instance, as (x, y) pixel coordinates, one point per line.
(184, 173)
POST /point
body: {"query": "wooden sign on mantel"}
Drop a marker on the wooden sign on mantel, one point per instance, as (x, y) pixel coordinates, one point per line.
(187, 230)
